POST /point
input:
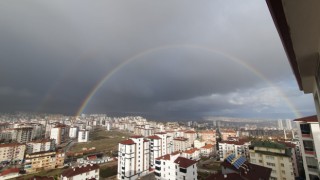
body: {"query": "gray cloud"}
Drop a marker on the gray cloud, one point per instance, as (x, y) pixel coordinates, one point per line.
(53, 53)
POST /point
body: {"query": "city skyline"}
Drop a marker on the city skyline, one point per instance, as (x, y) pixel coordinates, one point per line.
(155, 59)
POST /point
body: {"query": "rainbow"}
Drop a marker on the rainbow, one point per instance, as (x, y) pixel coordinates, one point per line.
(153, 50)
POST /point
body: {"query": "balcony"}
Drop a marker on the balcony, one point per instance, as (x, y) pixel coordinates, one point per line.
(310, 152)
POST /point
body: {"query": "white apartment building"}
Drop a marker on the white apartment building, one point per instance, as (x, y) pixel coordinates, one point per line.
(171, 166)
(280, 124)
(40, 145)
(73, 132)
(133, 158)
(239, 148)
(12, 152)
(86, 171)
(155, 148)
(207, 150)
(275, 156)
(310, 145)
(83, 136)
(59, 133)
(193, 154)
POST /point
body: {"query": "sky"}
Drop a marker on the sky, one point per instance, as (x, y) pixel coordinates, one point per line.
(176, 60)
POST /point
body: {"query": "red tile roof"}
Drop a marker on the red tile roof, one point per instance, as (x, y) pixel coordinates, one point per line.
(9, 171)
(164, 157)
(308, 119)
(184, 162)
(208, 146)
(154, 137)
(79, 170)
(180, 139)
(191, 151)
(189, 132)
(127, 142)
(136, 136)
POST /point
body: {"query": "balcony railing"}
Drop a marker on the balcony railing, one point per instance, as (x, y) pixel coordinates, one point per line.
(310, 152)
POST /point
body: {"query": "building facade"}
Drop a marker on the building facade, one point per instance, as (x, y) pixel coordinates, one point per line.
(275, 156)
(310, 145)
(13, 152)
(133, 158)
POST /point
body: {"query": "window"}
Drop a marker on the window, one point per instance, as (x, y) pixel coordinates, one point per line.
(271, 164)
(282, 165)
(308, 145)
(305, 128)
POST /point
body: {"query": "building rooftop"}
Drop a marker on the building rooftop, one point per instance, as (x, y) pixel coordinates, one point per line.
(127, 142)
(9, 171)
(153, 137)
(79, 170)
(268, 144)
(307, 119)
(184, 162)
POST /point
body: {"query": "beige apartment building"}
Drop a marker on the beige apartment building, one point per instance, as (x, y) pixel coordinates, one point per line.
(43, 160)
(208, 136)
(12, 152)
(275, 156)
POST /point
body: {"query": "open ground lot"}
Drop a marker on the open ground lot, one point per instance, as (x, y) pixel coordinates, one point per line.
(102, 140)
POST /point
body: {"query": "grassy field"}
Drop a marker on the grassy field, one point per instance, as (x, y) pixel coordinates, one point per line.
(102, 140)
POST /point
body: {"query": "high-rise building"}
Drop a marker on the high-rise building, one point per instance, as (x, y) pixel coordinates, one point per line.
(22, 135)
(288, 124)
(310, 145)
(133, 158)
(280, 124)
(83, 136)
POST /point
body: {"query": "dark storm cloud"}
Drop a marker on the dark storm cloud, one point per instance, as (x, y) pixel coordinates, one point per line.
(53, 53)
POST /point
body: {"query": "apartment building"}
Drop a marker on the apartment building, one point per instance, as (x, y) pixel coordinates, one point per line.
(207, 150)
(133, 158)
(39, 161)
(300, 38)
(73, 132)
(239, 148)
(198, 144)
(83, 136)
(86, 171)
(310, 145)
(60, 133)
(208, 136)
(237, 167)
(22, 135)
(191, 136)
(275, 156)
(193, 154)
(40, 145)
(180, 144)
(155, 148)
(172, 166)
(13, 152)
(227, 133)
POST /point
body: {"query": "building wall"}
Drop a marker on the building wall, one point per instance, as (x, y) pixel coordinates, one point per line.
(281, 166)
(12, 152)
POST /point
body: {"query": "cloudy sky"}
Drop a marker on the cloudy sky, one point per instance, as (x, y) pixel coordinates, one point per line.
(164, 60)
